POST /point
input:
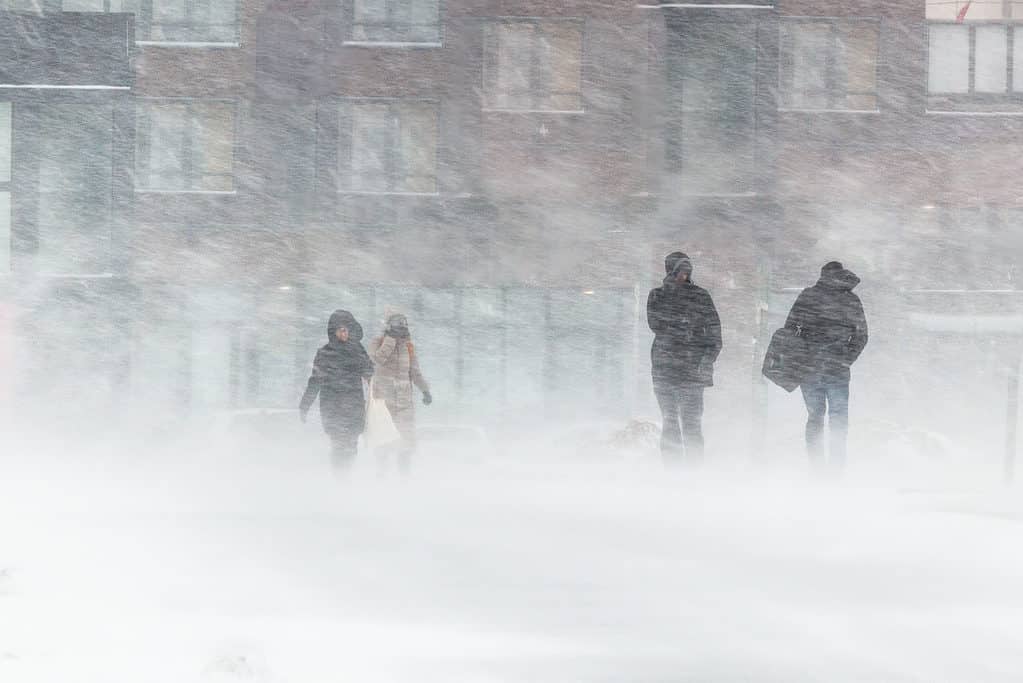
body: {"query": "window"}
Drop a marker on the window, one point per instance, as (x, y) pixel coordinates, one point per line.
(975, 59)
(389, 147)
(533, 65)
(5, 187)
(183, 21)
(5, 145)
(829, 65)
(34, 6)
(96, 5)
(710, 130)
(973, 10)
(587, 352)
(73, 145)
(185, 146)
(483, 351)
(395, 21)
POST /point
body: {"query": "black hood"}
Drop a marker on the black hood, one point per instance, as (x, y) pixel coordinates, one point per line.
(676, 264)
(342, 318)
(835, 276)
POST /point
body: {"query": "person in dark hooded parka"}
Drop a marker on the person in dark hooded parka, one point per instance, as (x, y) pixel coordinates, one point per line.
(687, 341)
(831, 321)
(337, 378)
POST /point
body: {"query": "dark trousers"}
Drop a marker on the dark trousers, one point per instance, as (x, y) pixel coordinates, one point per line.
(828, 397)
(683, 403)
(343, 447)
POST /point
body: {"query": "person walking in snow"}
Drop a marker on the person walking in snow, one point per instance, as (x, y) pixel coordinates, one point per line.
(687, 341)
(831, 321)
(397, 371)
(337, 378)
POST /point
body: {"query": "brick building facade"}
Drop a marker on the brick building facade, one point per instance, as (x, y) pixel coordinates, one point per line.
(511, 172)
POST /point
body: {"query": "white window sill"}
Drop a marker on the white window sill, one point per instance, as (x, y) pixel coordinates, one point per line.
(721, 195)
(572, 112)
(42, 86)
(695, 5)
(961, 291)
(78, 276)
(791, 110)
(227, 193)
(953, 112)
(383, 193)
(390, 44)
(185, 44)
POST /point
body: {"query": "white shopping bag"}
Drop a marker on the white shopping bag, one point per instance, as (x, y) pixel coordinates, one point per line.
(380, 429)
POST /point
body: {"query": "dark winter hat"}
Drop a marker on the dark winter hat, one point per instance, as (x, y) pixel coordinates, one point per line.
(342, 318)
(834, 274)
(832, 267)
(678, 262)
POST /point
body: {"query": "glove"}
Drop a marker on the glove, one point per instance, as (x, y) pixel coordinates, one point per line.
(427, 398)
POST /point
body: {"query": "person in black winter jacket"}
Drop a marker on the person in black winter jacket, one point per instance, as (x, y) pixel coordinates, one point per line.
(337, 377)
(830, 319)
(687, 341)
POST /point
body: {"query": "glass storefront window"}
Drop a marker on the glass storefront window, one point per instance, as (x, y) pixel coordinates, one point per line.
(587, 345)
(434, 321)
(397, 300)
(1017, 60)
(485, 350)
(483, 308)
(483, 376)
(485, 337)
(5, 179)
(526, 323)
(159, 367)
(322, 299)
(5, 142)
(5, 232)
(74, 144)
(211, 368)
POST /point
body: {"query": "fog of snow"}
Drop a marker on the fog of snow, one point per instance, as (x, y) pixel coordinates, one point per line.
(181, 213)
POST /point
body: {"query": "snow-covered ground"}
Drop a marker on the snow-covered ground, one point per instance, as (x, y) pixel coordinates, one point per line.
(189, 564)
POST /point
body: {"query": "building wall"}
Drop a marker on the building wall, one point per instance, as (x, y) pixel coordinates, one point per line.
(668, 142)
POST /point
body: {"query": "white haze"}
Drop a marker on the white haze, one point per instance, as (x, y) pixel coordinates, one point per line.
(146, 537)
(199, 565)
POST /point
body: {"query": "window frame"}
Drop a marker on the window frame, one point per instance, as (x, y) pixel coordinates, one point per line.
(348, 21)
(143, 138)
(688, 118)
(143, 11)
(5, 185)
(491, 70)
(7, 248)
(39, 7)
(831, 91)
(1011, 94)
(106, 8)
(346, 148)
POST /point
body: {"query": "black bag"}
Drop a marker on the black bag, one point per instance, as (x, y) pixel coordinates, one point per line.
(787, 362)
